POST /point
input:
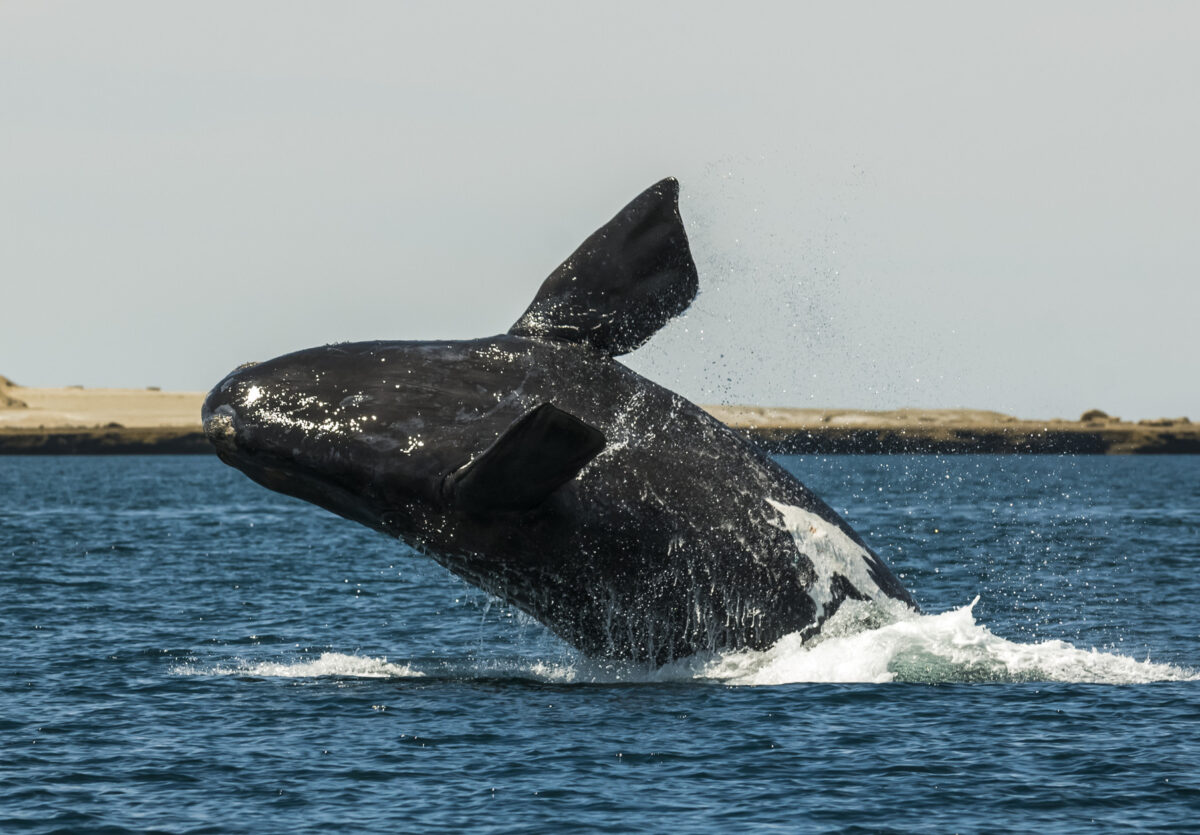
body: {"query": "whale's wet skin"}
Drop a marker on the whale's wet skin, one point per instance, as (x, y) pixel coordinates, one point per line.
(537, 467)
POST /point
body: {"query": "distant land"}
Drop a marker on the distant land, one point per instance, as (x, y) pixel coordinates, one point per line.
(81, 421)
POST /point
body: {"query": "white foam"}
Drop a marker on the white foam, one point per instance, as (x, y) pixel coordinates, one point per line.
(864, 642)
(328, 664)
(942, 648)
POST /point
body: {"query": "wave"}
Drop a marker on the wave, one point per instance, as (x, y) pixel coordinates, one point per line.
(864, 642)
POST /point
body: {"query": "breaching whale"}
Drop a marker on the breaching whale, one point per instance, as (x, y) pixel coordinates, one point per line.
(537, 467)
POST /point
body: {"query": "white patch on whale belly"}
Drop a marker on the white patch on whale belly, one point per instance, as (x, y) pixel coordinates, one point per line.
(831, 551)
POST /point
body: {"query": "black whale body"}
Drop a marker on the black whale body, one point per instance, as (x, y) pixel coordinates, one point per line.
(532, 464)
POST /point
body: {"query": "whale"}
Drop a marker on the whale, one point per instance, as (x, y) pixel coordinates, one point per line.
(538, 467)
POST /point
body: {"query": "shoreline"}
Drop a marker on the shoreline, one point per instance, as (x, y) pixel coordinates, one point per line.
(955, 432)
(79, 421)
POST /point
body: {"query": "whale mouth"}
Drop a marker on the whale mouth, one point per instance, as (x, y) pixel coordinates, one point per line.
(220, 430)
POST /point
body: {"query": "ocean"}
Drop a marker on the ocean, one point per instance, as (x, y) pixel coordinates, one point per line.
(182, 650)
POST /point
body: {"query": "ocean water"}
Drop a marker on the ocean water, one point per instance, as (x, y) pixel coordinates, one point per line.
(184, 651)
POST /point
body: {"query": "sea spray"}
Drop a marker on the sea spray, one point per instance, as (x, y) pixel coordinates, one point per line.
(327, 664)
(932, 649)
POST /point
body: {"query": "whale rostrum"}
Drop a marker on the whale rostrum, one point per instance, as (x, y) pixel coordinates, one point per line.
(539, 468)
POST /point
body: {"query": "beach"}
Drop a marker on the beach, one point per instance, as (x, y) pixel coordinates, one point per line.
(78, 420)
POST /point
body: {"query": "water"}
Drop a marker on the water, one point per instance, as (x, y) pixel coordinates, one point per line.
(183, 651)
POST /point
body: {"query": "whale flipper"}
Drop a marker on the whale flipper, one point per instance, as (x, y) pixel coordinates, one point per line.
(537, 454)
(623, 283)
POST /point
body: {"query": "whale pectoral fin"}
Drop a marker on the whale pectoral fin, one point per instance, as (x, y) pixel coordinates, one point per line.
(623, 283)
(539, 453)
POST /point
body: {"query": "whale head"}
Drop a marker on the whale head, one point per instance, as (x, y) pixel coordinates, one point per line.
(365, 428)
(332, 425)
(400, 435)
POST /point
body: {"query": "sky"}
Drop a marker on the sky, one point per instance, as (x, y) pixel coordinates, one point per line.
(991, 206)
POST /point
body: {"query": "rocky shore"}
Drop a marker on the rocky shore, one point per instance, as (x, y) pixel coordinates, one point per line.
(78, 421)
(953, 431)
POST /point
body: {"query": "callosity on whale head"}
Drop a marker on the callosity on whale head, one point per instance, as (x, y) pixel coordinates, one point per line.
(539, 468)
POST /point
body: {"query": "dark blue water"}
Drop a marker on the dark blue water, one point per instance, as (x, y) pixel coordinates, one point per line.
(183, 651)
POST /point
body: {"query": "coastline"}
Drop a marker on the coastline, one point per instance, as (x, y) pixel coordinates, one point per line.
(954, 431)
(78, 421)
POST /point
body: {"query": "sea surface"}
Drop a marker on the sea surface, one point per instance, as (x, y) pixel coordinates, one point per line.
(183, 651)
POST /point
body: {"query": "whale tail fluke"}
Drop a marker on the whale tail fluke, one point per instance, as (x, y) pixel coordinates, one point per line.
(627, 280)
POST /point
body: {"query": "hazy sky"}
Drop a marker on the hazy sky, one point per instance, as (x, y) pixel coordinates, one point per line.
(925, 204)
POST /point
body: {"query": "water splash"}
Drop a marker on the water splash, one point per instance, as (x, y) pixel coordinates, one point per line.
(865, 642)
(943, 648)
(328, 664)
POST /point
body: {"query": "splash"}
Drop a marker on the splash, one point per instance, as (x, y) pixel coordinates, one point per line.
(327, 665)
(865, 642)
